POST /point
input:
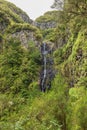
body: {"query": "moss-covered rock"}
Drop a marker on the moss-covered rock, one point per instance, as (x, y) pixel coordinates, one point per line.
(13, 13)
(71, 60)
(47, 21)
(48, 17)
(16, 23)
(47, 24)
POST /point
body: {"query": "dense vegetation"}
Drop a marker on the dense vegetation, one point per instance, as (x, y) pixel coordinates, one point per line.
(64, 107)
(48, 17)
(11, 12)
(13, 19)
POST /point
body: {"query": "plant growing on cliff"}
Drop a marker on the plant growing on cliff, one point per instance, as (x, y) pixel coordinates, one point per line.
(18, 66)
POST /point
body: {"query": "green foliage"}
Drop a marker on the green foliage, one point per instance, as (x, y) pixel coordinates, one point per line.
(38, 111)
(18, 27)
(70, 60)
(77, 115)
(22, 105)
(19, 67)
(49, 34)
(38, 35)
(11, 12)
(1, 43)
(13, 19)
(76, 7)
(48, 17)
(58, 56)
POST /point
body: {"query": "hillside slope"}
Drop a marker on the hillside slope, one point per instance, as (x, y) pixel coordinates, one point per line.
(16, 23)
(19, 61)
(13, 13)
(47, 23)
(22, 105)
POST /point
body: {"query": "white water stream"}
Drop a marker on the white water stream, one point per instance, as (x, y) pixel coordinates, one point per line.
(45, 64)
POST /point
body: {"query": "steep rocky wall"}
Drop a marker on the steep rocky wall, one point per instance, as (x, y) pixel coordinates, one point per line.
(1, 43)
(48, 20)
(20, 13)
(14, 12)
(71, 60)
(16, 23)
(3, 26)
(45, 25)
(25, 36)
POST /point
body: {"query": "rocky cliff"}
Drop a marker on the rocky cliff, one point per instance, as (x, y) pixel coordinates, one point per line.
(16, 23)
(47, 23)
(22, 105)
(48, 20)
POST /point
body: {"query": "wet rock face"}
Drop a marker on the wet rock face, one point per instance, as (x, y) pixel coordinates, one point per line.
(45, 25)
(47, 72)
(3, 26)
(58, 4)
(26, 18)
(21, 13)
(25, 36)
(1, 43)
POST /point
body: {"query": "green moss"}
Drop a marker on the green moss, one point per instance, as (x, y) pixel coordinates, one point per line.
(71, 59)
(22, 105)
(49, 34)
(38, 35)
(9, 13)
(12, 12)
(18, 27)
(1, 37)
(27, 27)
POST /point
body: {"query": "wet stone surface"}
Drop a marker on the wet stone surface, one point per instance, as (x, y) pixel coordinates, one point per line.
(47, 72)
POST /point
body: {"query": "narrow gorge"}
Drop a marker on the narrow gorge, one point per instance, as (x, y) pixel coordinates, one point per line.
(43, 67)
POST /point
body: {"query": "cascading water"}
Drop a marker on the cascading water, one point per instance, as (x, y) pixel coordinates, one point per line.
(44, 71)
(47, 67)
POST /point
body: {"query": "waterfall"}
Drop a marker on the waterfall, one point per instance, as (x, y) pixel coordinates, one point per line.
(47, 72)
(44, 64)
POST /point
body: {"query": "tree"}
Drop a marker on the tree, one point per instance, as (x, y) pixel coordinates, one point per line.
(76, 7)
(77, 109)
(18, 66)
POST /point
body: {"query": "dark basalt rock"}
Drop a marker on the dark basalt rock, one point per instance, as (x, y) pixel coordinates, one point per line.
(47, 72)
